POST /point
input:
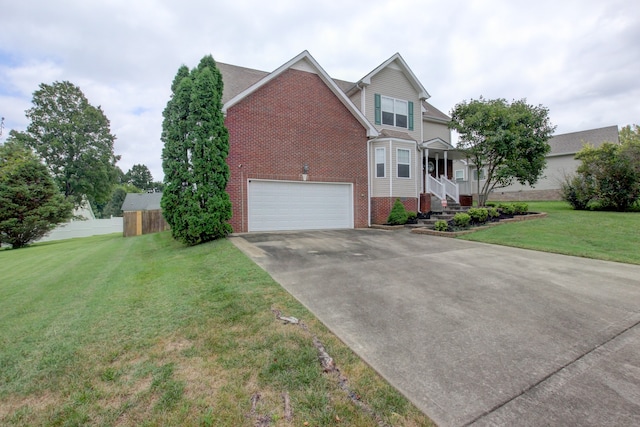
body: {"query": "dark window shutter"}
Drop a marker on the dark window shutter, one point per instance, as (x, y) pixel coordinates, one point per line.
(378, 108)
(410, 115)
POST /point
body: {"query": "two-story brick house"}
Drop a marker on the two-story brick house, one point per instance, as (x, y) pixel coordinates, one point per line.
(311, 152)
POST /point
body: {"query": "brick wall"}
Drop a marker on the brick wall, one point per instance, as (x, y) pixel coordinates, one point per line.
(381, 207)
(294, 120)
(529, 195)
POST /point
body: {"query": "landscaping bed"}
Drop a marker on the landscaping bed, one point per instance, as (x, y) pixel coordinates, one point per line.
(472, 229)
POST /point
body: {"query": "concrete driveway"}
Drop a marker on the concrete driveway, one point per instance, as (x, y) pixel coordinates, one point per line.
(473, 334)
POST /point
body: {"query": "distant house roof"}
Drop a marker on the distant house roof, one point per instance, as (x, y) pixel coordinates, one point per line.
(433, 114)
(571, 143)
(141, 202)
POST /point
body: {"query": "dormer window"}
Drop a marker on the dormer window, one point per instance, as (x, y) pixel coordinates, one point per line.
(394, 112)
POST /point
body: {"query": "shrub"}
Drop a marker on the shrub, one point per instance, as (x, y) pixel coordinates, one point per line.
(461, 219)
(412, 216)
(441, 225)
(494, 213)
(577, 191)
(521, 208)
(491, 204)
(506, 208)
(398, 214)
(478, 215)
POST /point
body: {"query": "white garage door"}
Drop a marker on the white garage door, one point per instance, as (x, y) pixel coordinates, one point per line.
(290, 205)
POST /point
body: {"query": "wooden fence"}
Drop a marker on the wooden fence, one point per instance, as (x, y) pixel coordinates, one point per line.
(143, 222)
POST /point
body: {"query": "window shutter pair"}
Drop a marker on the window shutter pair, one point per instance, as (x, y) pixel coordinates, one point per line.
(378, 111)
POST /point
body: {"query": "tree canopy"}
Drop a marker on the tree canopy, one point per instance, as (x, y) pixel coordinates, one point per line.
(30, 203)
(507, 140)
(74, 140)
(139, 176)
(196, 144)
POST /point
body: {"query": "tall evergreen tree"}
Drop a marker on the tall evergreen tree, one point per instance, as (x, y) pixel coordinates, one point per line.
(30, 203)
(196, 145)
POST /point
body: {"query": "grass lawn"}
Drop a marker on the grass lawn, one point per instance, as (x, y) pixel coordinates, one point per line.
(612, 236)
(144, 331)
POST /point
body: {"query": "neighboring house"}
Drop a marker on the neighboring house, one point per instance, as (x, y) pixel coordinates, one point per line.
(142, 214)
(311, 152)
(561, 163)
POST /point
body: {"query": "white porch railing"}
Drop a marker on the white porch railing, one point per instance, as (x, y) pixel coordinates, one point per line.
(443, 188)
(451, 188)
(436, 188)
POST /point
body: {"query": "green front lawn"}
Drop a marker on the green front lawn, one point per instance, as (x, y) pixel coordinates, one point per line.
(144, 331)
(612, 236)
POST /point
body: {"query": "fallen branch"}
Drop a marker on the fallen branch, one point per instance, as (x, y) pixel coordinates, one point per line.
(328, 365)
(286, 319)
(288, 412)
(261, 420)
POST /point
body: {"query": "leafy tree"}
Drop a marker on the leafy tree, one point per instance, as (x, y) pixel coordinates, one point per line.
(139, 176)
(114, 206)
(629, 134)
(158, 186)
(74, 140)
(508, 139)
(608, 177)
(30, 203)
(196, 144)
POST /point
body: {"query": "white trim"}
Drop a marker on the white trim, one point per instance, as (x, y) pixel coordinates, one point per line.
(398, 162)
(455, 175)
(306, 56)
(394, 101)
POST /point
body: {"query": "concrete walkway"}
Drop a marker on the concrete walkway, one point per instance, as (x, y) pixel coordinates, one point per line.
(473, 334)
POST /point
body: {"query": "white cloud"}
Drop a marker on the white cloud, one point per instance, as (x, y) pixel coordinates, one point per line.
(579, 58)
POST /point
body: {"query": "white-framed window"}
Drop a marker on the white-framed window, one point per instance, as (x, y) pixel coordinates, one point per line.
(483, 174)
(381, 157)
(403, 161)
(459, 174)
(395, 112)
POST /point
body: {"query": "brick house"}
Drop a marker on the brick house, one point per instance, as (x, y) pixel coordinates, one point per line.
(311, 152)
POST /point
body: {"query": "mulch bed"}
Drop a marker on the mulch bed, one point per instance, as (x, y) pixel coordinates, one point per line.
(514, 218)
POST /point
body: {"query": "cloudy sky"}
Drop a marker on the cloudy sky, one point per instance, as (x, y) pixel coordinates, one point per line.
(579, 58)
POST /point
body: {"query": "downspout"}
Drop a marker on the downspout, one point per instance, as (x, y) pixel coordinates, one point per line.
(417, 174)
(391, 169)
(369, 182)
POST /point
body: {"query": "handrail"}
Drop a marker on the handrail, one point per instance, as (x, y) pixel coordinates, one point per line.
(436, 188)
(451, 188)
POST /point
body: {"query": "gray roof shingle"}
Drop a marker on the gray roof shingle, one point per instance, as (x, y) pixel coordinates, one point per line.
(571, 143)
(141, 202)
(236, 79)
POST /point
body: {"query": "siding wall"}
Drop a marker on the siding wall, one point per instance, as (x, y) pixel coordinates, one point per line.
(433, 130)
(275, 131)
(393, 83)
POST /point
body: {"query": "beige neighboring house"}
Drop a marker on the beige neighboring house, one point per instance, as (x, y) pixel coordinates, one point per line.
(561, 163)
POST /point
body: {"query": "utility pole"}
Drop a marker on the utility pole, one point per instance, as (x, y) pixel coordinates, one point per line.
(1, 125)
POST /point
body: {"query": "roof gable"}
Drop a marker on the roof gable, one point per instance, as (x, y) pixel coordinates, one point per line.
(397, 61)
(304, 62)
